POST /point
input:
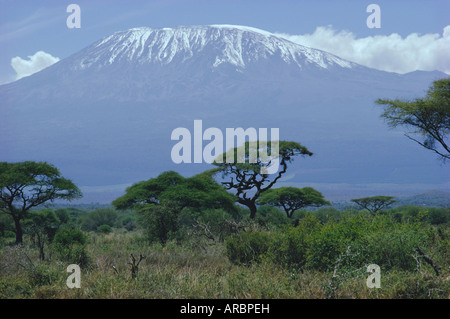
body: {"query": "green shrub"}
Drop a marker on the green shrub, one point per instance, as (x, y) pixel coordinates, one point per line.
(104, 229)
(290, 246)
(98, 217)
(160, 222)
(62, 215)
(395, 247)
(439, 216)
(42, 226)
(333, 240)
(271, 215)
(325, 214)
(41, 275)
(129, 223)
(248, 246)
(6, 225)
(70, 246)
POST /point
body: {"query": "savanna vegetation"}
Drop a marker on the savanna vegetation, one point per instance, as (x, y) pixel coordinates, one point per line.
(211, 252)
(241, 237)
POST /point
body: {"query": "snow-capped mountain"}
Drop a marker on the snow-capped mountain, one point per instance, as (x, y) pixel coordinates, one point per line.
(234, 45)
(105, 114)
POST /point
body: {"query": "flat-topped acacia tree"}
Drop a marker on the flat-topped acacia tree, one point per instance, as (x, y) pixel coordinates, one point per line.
(160, 200)
(375, 203)
(246, 172)
(25, 185)
(198, 192)
(292, 198)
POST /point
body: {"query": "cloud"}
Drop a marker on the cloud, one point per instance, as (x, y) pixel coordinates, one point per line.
(37, 62)
(427, 52)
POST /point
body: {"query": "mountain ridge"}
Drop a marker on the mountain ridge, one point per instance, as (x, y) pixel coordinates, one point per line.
(110, 123)
(183, 40)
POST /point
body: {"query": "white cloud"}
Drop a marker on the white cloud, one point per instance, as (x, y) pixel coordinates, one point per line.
(37, 62)
(427, 52)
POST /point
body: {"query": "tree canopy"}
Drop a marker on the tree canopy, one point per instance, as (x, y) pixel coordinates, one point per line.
(375, 203)
(248, 171)
(428, 118)
(293, 198)
(25, 185)
(198, 191)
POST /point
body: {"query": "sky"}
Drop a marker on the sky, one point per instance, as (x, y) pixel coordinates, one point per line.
(413, 35)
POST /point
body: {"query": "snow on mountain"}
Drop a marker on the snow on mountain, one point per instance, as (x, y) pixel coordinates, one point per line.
(236, 45)
(105, 114)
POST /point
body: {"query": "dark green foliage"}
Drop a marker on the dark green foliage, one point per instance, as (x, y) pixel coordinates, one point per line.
(199, 191)
(248, 246)
(158, 221)
(159, 202)
(428, 118)
(70, 246)
(63, 216)
(6, 225)
(40, 275)
(432, 215)
(290, 247)
(29, 184)
(147, 192)
(292, 198)
(70, 217)
(271, 215)
(129, 223)
(101, 216)
(375, 203)
(42, 226)
(314, 245)
(104, 229)
(325, 214)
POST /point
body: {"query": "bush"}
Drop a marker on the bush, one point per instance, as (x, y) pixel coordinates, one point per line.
(70, 246)
(325, 214)
(98, 217)
(312, 245)
(272, 215)
(333, 239)
(439, 216)
(290, 246)
(104, 229)
(158, 221)
(42, 226)
(395, 247)
(41, 275)
(6, 225)
(129, 223)
(248, 246)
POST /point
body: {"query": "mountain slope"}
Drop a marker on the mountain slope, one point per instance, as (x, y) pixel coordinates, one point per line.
(105, 114)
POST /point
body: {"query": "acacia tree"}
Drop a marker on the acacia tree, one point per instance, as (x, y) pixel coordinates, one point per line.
(42, 226)
(248, 173)
(375, 203)
(427, 118)
(199, 191)
(293, 198)
(25, 185)
(159, 201)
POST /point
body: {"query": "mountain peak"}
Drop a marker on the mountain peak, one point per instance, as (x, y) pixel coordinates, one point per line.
(238, 46)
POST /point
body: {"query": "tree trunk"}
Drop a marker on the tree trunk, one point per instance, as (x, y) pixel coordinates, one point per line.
(252, 207)
(19, 233)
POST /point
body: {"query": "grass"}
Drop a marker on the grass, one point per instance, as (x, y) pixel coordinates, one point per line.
(182, 270)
